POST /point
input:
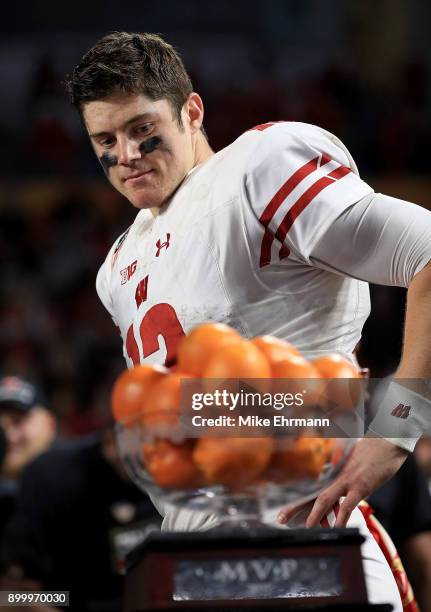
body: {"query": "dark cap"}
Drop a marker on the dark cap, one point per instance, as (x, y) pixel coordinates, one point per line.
(18, 393)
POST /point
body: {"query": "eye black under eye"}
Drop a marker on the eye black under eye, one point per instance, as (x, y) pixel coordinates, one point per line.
(150, 144)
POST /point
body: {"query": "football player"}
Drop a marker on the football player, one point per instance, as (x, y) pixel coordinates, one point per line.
(275, 234)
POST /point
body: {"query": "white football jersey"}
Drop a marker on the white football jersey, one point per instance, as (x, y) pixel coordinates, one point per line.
(233, 245)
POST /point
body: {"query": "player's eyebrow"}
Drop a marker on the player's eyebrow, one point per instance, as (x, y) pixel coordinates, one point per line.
(125, 124)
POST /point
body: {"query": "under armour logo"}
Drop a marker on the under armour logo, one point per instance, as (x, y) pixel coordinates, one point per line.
(401, 411)
(162, 245)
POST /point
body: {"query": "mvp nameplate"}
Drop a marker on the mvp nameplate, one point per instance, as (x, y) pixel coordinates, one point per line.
(262, 570)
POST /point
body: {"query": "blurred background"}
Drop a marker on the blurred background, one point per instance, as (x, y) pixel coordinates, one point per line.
(360, 69)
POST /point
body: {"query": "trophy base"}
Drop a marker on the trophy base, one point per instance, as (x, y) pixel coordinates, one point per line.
(228, 568)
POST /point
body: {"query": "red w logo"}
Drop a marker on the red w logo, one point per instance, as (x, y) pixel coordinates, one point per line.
(162, 245)
(401, 411)
(141, 291)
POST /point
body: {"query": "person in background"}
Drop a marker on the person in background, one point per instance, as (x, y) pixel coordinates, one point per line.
(28, 425)
(27, 428)
(77, 517)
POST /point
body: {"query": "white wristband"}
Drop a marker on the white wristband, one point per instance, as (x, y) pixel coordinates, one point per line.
(402, 417)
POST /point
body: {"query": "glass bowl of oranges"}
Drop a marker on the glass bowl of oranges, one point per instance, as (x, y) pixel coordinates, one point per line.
(237, 427)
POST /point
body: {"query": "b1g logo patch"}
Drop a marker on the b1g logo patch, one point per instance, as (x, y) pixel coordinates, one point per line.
(127, 273)
(401, 411)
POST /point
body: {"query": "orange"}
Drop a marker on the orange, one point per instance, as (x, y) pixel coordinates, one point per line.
(295, 369)
(171, 465)
(233, 462)
(130, 390)
(343, 394)
(301, 458)
(294, 366)
(161, 405)
(195, 349)
(273, 348)
(335, 366)
(241, 360)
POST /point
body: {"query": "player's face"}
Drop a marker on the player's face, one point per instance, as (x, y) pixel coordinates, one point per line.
(143, 149)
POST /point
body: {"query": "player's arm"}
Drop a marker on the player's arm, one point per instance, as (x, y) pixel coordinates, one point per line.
(303, 187)
(384, 241)
(388, 242)
(416, 357)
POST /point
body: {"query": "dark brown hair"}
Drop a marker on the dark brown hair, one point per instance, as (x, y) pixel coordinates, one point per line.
(132, 63)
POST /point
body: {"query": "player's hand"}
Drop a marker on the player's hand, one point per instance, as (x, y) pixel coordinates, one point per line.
(372, 462)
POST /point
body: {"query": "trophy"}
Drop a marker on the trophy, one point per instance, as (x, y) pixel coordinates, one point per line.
(220, 469)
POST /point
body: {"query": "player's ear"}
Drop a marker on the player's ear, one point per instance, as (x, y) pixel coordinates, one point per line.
(194, 109)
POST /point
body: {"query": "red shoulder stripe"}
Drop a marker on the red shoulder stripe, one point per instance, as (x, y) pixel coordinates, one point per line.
(303, 201)
(278, 199)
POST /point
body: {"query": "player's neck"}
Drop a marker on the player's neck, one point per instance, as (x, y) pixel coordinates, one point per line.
(202, 151)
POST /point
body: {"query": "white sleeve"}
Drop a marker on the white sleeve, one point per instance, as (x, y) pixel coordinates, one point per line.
(299, 179)
(380, 239)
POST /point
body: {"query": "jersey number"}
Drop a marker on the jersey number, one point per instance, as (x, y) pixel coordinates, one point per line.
(159, 320)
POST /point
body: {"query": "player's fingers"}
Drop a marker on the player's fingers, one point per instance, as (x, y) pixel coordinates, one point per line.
(325, 503)
(286, 514)
(347, 506)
